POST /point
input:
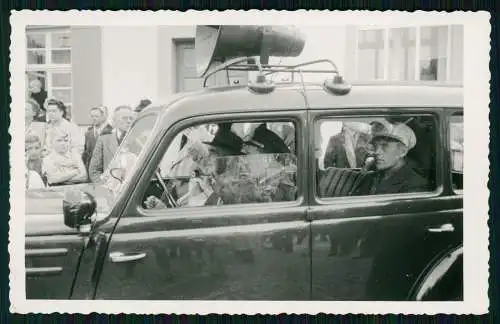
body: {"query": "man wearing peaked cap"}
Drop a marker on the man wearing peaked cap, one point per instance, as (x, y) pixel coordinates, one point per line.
(391, 143)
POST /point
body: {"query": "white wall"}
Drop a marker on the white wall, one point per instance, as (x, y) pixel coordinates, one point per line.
(130, 64)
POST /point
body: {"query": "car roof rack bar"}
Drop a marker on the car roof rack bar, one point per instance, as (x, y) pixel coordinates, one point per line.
(223, 66)
(236, 64)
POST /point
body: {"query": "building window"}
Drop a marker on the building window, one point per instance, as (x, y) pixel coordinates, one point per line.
(422, 53)
(371, 51)
(49, 60)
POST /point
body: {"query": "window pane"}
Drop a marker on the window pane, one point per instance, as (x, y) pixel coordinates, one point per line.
(123, 162)
(375, 155)
(199, 174)
(402, 54)
(35, 40)
(370, 63)
(61, 56)
(61, 40)
(62, 94)
(370, 36)
(457, 53)
(36, 56)
(37, 75)
(61, 79)
(457, 150)
(433, 53)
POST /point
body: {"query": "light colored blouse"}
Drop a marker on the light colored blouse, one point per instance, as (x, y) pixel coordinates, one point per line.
(64, 168)
(33, 180)
(65, 128)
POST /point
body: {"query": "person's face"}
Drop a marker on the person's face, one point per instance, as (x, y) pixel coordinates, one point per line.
(123, 119)
(61, 145)
(35, 86)
(387, 153)
(34, 150)
(97, 117)
(29, 112)
(54, 113)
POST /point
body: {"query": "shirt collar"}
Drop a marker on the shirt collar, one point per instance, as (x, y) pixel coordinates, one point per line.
(118, 133)
(100, 128)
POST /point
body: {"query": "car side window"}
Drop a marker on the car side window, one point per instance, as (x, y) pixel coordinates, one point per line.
(375, 155)
(457, 150)
(225, 164)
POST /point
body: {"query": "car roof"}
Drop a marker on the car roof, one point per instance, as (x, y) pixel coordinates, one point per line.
(288, 96)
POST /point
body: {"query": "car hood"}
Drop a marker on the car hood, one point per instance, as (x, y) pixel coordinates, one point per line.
(49, 200)
(44, 208)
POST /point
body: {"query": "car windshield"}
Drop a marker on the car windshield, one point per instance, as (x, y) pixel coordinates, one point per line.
(123, 164)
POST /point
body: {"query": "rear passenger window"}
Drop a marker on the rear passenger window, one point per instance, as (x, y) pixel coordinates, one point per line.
(375, 155)
(226, 164)
(457, 150)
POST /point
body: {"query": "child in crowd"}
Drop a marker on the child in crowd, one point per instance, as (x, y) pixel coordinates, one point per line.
(33, 163)
(33, 149)
(63, 165)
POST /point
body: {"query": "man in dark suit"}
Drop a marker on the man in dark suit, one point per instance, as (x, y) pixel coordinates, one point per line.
(347, 149)
(99, 116)
(107, 145)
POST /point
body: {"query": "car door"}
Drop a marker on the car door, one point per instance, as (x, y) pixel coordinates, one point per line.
(375, 247)
(52, 250)
(247, 251)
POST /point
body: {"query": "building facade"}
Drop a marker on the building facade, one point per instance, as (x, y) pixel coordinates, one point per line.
(86, 66)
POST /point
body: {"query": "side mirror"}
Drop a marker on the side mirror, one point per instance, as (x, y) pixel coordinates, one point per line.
(78, 209)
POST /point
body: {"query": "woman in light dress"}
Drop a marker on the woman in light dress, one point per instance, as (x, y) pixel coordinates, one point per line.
(58, 126)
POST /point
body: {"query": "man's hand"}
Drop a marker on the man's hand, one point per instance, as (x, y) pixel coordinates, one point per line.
(154, 202)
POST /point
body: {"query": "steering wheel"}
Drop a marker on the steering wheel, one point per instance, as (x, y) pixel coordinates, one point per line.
(171, 202)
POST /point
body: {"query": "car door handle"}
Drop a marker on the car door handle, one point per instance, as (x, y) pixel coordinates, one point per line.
(119, 257)
(442, 228)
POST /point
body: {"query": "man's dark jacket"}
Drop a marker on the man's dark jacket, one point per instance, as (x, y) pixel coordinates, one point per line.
(403, 180)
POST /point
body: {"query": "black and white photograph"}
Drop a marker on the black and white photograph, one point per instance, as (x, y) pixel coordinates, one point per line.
(201, 163)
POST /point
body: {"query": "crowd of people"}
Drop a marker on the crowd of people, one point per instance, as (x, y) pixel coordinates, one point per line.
(56, 150)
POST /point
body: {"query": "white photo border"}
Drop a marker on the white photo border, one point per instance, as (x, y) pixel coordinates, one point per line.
(476, 131)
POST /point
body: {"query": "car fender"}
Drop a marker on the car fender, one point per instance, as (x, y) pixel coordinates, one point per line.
(442, 279)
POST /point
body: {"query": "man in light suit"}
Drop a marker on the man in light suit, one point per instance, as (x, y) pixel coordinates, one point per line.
(107, 145)
(347, 149)
(99, 116)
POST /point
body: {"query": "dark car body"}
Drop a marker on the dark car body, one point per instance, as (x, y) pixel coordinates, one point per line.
(274, 251)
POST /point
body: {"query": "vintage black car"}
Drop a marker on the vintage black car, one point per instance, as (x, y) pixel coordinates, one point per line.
(277, 218)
